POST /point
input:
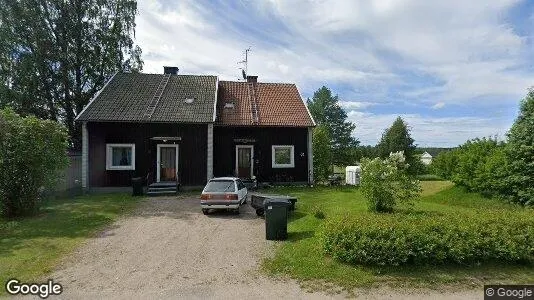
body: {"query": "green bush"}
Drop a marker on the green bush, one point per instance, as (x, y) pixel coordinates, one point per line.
(318, 213)
(386, 182)
(406, 239)
(480, 165)
(520, 153)
(32, 153)
(444, 164)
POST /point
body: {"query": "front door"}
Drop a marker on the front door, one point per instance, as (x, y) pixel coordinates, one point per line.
(167, 164)
(244, 158)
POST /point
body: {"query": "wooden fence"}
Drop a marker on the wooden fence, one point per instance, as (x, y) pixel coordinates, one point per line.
(70, 182)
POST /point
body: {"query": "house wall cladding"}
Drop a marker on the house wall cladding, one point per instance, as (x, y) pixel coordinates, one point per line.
(192, 151)
(265, 137)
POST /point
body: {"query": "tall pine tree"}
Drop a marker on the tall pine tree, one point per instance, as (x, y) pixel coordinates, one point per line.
(397, 138)
(325, 109)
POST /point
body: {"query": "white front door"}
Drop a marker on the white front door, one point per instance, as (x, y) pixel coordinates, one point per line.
(167, 162)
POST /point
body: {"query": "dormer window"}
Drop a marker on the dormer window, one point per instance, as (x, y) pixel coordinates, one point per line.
(229, 105)
(189, 100)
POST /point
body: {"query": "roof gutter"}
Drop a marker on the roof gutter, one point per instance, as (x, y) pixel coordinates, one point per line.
(95, 96)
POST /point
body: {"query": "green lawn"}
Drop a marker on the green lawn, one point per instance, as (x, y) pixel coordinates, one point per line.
(30, 248)
(302, 258)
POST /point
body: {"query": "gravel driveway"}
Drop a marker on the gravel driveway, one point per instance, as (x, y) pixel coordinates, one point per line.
(169, 249)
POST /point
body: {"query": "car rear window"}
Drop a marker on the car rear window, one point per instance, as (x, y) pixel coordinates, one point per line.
(220, 186)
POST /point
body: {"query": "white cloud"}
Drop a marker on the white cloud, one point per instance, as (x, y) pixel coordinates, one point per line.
(466, 45)
(428, 131)
(352, 105)
(438, 105)
(461, 52)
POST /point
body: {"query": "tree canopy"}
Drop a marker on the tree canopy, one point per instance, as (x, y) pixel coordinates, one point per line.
(325, 109)
(397, 138)
(520, 152)
(55, 55)
(322, 153)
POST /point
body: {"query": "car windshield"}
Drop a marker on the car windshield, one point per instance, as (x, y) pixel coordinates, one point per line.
(220, 186)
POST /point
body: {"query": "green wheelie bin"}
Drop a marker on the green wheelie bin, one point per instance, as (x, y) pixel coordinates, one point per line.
(276, 218)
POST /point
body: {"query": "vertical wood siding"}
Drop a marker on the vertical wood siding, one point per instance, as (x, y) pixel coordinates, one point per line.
(265, 137)
(192, 151)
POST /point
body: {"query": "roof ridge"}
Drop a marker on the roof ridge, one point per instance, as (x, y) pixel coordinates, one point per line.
(244, 82)
(161, 74)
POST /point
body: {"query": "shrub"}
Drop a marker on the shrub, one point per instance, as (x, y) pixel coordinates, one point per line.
(480, 165)
(471, 169)
(520, 153)
(401, 239)
(445, 163)
(386, 182)
(32, 152)
(318, 213)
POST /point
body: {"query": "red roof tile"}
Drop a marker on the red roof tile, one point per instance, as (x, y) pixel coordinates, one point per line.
(279, 104)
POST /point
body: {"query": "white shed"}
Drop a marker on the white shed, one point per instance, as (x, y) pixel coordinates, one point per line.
(426, 158)
(352, 175)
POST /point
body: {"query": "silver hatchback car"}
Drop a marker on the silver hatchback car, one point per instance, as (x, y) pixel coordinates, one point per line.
(223, 193)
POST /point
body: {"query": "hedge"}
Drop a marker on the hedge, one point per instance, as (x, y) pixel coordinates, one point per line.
(32, 154)
(406, 239)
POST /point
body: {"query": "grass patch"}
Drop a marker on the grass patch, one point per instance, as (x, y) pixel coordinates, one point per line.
(30, 248)
(302, 256)
(429, 177)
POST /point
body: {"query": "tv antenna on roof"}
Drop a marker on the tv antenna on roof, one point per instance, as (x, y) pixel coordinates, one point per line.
(244, 70)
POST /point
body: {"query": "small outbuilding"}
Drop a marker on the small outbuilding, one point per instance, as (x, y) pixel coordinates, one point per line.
(426, 158)
(352, 175)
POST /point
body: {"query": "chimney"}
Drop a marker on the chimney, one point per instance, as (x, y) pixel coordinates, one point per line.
(170, 70)
(252, 78)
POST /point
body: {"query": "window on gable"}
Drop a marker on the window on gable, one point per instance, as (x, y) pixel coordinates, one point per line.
(120, 156)
(283, 156)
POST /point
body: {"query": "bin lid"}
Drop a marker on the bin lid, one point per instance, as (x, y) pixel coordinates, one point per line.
(277, 202)
(284, 197)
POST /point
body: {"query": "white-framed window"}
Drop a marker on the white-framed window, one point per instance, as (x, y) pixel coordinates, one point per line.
(283, 156)
(120, 156)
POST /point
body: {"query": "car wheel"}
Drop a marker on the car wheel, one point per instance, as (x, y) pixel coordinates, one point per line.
(204, 211)
(236, 211)
(260, 212)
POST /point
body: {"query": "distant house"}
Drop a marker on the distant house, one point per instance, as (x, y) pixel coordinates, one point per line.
(426, 158)
(172, 128)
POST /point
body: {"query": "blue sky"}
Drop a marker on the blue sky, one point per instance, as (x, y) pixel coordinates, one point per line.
(453, 69)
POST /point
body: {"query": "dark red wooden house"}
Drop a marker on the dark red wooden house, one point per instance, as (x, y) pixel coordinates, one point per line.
(189, 128)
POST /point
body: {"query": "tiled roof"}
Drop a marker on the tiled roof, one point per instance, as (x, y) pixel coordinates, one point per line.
(128, 95)
(279, 104)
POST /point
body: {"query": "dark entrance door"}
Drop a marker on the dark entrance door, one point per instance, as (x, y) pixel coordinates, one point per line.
(244, 161)
(167, 163)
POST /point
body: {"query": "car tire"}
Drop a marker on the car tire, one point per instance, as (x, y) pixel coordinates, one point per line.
(260, 212)
(236, 211)
(205, 211)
